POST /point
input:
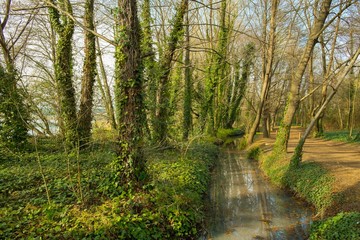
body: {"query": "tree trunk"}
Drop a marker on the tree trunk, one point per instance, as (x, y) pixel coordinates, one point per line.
(88, 79)
(293, 101)
(130, 163)
(64, 67)
(13, 112)
(105, 89)
(268, 71)
(297, 156)
(162, 114)
(352, 92)
(187, 120)
(240, 83)
(150, 67)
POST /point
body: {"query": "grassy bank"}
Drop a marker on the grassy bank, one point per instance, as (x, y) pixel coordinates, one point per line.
(53, 195)
(314, 184)
(309, 181)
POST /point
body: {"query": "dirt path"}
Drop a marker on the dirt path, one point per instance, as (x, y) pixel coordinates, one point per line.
(341, 159)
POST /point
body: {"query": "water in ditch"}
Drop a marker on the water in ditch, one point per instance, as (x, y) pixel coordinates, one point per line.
(244, 205)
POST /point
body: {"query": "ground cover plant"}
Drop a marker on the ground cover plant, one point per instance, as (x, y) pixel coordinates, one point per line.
(341, 226)
(342, 136)
(315, 183)
(50, 194)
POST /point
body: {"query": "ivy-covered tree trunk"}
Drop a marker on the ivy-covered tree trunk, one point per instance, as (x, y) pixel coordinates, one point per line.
(150, 66)
(64, 27)
(293, 100)
(187, 119)
(13, 114)
(221, 69)
(240, 83)
(215, 72)
(162, 114)
(88, 79)
(130, 163)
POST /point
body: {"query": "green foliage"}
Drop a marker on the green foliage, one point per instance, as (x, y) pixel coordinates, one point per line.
(83, 206)
(224, 133)
(275, 168)
(253, 153)
(341, 136)
(163, 114)
(312, 182)
(63, 66)
(13, 116)
(341, 226)
(308, 180)
(242, 143)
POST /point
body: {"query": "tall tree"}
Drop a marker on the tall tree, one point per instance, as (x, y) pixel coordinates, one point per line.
(327, 65)
(130, 163)
(63, 25)
(187, 119)
(340, 76)
(241, 81)
(13, 114)
(162, 114)
(88, 79)
(293, 100)
(267, 68)
(150, 65)
(103, 83)
(215, 73)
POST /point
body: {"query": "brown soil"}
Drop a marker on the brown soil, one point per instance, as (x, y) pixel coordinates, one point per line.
(342, 160)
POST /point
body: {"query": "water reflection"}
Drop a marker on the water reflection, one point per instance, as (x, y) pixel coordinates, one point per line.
(246, 206)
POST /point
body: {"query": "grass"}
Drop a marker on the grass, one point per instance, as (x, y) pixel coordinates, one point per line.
(342, 136)
(83, 202)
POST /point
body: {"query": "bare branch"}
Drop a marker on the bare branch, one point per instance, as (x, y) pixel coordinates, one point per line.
(80, 24)
(7, 11)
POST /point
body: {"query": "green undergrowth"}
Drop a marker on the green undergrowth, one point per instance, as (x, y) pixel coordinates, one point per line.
(314, 184)
(342, 136)
(341, 226)
(225, 136)
(82, 202)
(253, 153)
(309, 180)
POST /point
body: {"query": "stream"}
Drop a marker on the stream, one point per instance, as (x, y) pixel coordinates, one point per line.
(244, 205)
